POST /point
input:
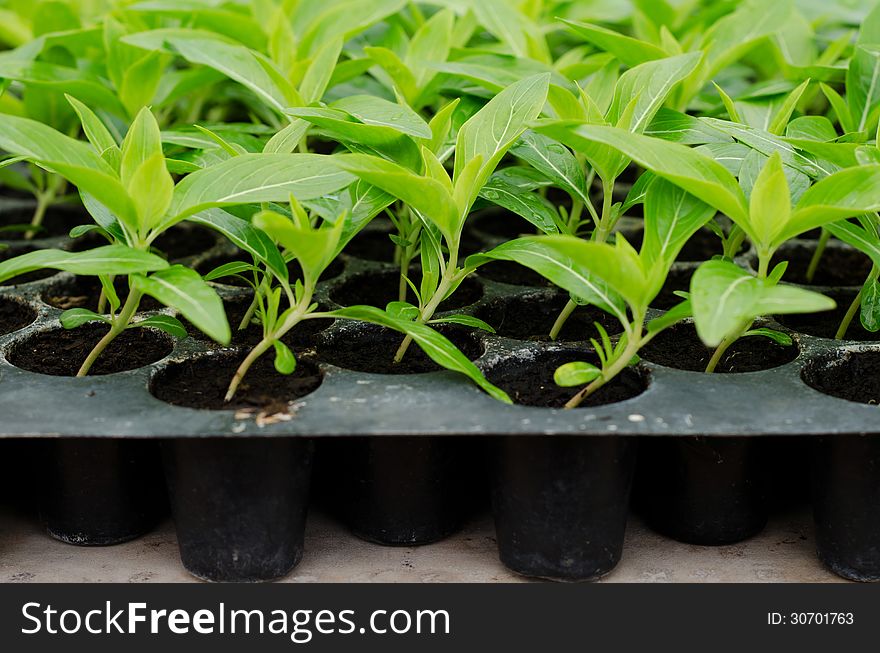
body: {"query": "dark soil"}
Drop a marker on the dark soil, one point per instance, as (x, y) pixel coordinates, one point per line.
(58, 221)
(36, 275)
(500, 223)
(680, 347)
(14, 315)
(302, 335)
(678, 279)
(826, 323)
(84, 292)
(371, 348)
(60, 352)
(372, 245)
(184, 241)
(380, 287)
(336, 268)
(839, 266)
(202, 383)
(702, 246)
(530, 317)
(854, 376)
(528, 379)
(513, 274)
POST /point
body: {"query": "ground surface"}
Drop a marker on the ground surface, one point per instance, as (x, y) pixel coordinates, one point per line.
(784, 552)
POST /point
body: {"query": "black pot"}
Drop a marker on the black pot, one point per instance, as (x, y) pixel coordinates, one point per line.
(400, 491)
(561, 503)
(703, 490)
(239, 505)
(96, 492)
(846, 504)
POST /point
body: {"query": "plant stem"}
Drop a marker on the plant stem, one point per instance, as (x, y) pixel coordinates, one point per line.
(603, 230)
(268, 339)
(718, 354)
(44, 201)
(850, 315)
(817, 254)
(448, 279)
(635, 343)
(118, 325)
(567, 310)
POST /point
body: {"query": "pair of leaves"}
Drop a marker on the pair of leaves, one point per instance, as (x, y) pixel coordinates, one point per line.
(725, 299)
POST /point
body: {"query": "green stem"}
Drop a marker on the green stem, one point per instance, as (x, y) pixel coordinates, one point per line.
(635, 343)
(567, 310)
(817, 254)
(268, 340)
(849, 317)
(44, 201)
(450, 276)
(118, 325)
(603, 230)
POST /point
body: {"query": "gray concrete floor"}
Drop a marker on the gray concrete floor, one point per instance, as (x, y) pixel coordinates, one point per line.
(784, 552)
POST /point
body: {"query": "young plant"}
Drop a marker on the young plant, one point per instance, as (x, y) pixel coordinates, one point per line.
(727, 299)
(441, 203)
(133, 199)
(281, 303)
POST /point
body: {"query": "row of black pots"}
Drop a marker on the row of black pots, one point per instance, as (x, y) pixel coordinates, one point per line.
(560, 503)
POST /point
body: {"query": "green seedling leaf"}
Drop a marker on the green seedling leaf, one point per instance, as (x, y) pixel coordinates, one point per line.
(554, 161)
(844, 194)
(725, 297)
(630, 51)
(76, 317)
(184, 290)
(696, 173)
(672, 216)
(231, 269)
(109, 259)
(245, 236)
(673, 316)
(530, 206)
(599, 272)
(285, 361)
(427, 196)
(770, 202)
(170, 325)
(576, 373)
(495, 127)
(402, 310)
(870, 309)
(464, 320)
(435, 345)
(776, 336)
(254, 178)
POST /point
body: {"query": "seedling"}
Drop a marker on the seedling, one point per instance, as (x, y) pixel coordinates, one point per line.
(727, 299)
(133, 200)
(443, 204)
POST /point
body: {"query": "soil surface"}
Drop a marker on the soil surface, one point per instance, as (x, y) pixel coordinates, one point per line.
(839, 266)
(380, 287)
(84, 292)
(530, 317)
(302, 335)
(60, 352)
(36, 275)
(202, 383)
(852, 375)
(336, 268)
(58, 221)
(826, 323)
(678, 279)
(371, 348)
(14, 315)
(528, 379)
(680, 347)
